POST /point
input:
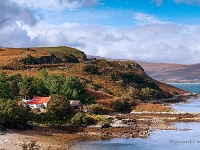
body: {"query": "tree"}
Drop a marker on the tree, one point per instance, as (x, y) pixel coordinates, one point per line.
(91, 69)
(73, 88)
(4, 86)
(43, 74)
(17, 77)
(27, 88)
(118, 106)
(3, 77)
(13, 81)
(40, 87)
(150, 93)
(4, 90)
(90, 100)
(59, 109)
(12, 115)
(53, 83)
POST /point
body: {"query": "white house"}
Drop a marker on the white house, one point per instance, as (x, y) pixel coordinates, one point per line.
(39, 102)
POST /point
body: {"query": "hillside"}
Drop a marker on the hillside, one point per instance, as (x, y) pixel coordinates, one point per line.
(172, 72)
(105, 80)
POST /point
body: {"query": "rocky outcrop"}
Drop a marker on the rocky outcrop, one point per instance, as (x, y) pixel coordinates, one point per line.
(117, 132)
(52, 59)
(120, 128)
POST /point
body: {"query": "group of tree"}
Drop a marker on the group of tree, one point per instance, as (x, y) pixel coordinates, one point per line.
(14, 115)
(15, 86)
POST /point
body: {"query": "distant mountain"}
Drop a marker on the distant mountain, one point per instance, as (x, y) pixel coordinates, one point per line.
(172, 72)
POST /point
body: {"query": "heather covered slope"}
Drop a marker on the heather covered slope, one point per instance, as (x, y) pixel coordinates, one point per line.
(103, 79)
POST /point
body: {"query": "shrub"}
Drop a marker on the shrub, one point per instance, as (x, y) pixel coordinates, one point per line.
(90, 100)
(91, 69)
(88, 119)
(71, 59)
(78, 118)
(30, 146)
(99, 109)
(150, 93)
(103, 119)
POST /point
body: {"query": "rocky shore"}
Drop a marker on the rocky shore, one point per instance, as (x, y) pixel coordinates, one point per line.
(140, 124)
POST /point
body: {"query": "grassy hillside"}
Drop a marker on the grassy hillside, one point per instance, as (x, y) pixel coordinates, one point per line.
(104, 80)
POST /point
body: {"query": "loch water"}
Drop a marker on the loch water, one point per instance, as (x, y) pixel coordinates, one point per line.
(186, 137)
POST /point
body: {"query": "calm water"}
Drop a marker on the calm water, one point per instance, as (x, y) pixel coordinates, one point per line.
(192, 87)
(192, 105)
(166, 140)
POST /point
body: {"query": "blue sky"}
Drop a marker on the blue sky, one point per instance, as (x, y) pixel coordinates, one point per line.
(120, 13)
(146, 30)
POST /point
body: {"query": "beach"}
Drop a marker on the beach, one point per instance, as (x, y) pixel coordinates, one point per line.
(46, 138)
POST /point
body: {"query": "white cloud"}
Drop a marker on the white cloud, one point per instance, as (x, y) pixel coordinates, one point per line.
(158, 2)
(11, 12)
(190, 2)
(143, 19)
(13, 36)
(57, 4)
(167, 42)
(196, 2)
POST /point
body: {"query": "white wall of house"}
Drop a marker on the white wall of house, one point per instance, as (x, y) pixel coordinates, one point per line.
(35, 106)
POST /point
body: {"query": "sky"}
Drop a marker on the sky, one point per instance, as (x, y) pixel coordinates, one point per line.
(166, 31)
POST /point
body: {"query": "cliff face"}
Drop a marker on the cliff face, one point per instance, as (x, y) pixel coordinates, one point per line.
(116, 78)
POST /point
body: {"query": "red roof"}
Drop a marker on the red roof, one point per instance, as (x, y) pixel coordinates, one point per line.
(39, 100)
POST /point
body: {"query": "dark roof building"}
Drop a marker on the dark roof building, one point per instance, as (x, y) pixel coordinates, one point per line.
(76, 104)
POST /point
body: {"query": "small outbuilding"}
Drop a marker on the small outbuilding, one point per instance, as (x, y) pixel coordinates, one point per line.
(76, 104)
